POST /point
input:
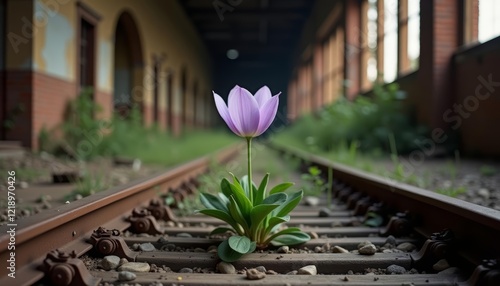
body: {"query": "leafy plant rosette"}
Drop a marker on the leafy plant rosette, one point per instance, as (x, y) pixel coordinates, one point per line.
(254, 214)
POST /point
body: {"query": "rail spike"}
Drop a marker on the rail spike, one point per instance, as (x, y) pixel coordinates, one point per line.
(109, 242)
(161, 211)
(143, 222)
(486, 274)
(435, 248)
(63, 269)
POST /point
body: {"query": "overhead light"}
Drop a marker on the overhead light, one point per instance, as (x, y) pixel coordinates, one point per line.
(232, 54)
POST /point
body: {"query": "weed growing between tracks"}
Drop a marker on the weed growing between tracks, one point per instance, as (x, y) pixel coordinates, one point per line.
(254, 214)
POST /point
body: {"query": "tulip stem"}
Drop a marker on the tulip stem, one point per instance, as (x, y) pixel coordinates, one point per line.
(250, 184)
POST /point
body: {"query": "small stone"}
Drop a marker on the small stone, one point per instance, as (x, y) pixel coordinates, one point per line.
(146, 247)
(390, 240)
(180, 225)
(25, 212)
(110, 262)
(126, 276)
(163, 239)
(135, 246)
(283, 249)
(395, 269)
(78, 197)
(186, 270)
(325, 247)
(406, 246)
(170, 224)
(350, 272)
(311, 201)
(199, 249)
(66, 202)
(261, 269)
(368, 249)
(441, 265)
(122, 261)
(254, 274)
(484, 193)
(271, 272)
(313, 235)
(293, 272)
(308, 270)
(226, 268)
(23, 185)
(325, 212)
(361, 244)
(184, 234)
(318, 249)
(135, 267)
(338, 249)
(212, 249)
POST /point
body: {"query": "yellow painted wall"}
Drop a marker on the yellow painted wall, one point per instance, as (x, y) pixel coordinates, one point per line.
(163, 28)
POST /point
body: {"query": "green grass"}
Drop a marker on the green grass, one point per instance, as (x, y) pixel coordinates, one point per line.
(163, 149)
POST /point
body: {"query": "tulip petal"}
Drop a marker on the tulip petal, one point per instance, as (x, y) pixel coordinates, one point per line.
(244, 111)
(224, 112)
(267, 114)
(263, 95)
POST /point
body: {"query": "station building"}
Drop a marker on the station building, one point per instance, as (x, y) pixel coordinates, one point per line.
(167, 56)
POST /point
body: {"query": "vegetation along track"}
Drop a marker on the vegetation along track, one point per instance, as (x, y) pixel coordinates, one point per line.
(373, 229)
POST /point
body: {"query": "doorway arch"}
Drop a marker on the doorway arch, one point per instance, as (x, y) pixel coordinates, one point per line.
(128, 88)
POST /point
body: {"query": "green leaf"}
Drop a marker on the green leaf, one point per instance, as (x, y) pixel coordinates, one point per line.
(277, 198)
(280, 188)
(291, 239)
(291, 202)
(219, 215)
(226, 253)
(213, 202)
(237, 214)
(245, 185)
(242, 200)
(289, 230)
(274, 221)
(241, 244)
(225, 187)
(261, 191)
(221, 230)
(260, 212)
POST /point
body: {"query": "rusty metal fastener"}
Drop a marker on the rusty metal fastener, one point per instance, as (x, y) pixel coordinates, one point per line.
(486, 274)
(160, 211)
(143, 222)
(398, 225)
(109, 242)
(434, 249)
(63, 269)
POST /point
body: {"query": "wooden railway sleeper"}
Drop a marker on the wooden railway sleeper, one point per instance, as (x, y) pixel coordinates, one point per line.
(437, 247)
(63, 269)
(143, 222)
(109, 242)
(485, 274)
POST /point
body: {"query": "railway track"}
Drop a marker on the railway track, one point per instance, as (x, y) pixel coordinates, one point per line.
(421, 237)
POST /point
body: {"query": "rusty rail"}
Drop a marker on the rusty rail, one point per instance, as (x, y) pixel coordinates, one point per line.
(476, 229)
(67, 227)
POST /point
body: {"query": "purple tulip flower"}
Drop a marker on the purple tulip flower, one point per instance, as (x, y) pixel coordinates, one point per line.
(247, 115)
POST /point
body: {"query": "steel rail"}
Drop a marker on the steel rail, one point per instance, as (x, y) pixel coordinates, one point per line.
(69, 226)
(476, 228)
